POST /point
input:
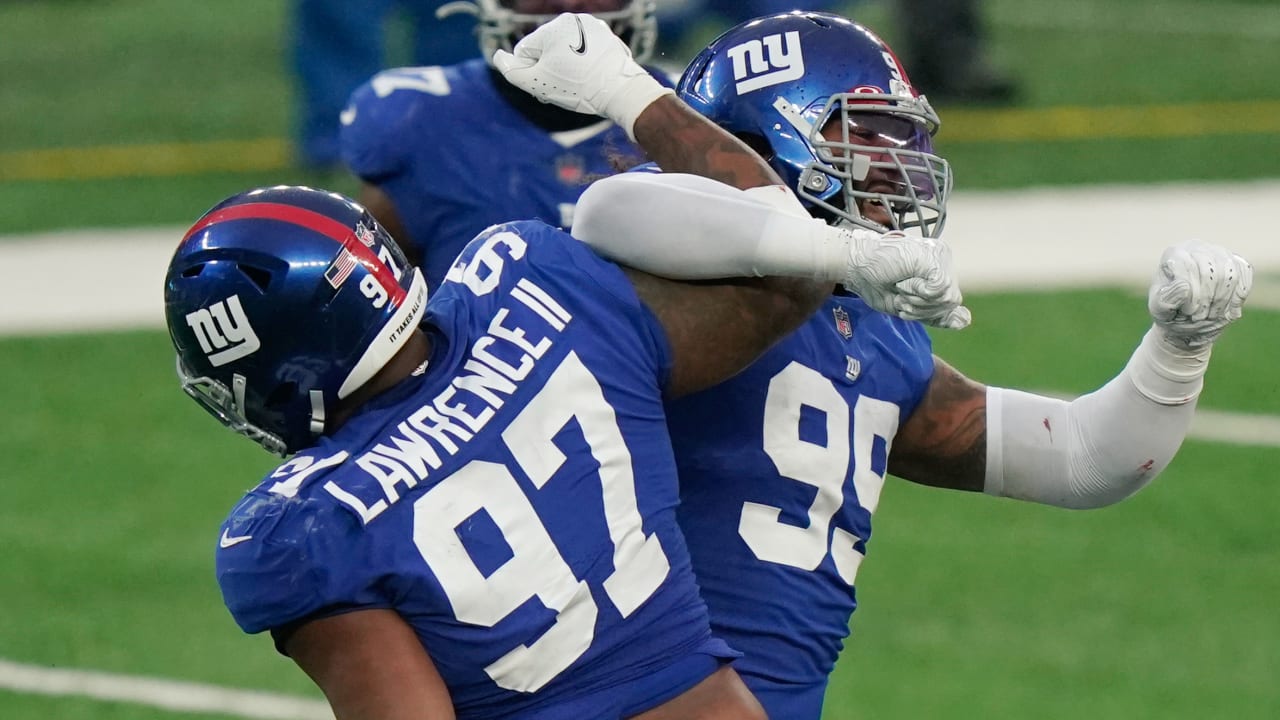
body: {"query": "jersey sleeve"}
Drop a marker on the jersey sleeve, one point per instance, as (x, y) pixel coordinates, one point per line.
(380, 122)
(280, 560)
(576, 269)
(611, 279)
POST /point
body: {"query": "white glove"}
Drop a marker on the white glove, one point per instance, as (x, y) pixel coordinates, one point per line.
(905, 275)
(1199, 289)
(576, 62)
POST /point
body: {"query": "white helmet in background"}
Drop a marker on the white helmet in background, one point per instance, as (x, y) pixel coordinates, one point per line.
(501, 23)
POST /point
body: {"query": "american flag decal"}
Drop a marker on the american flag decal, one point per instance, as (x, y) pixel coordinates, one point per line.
(842, 322)
(341, 268)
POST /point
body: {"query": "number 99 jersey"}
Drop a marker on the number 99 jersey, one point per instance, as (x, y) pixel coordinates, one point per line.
(781, 468)
(514, 501)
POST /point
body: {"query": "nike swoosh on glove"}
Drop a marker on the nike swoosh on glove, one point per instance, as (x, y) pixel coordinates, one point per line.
(576, 62)
(1198, 290)
(907, 276)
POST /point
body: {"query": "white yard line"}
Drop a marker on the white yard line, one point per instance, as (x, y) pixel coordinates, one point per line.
(1099, 236)
(1235, 428)
(159, 693)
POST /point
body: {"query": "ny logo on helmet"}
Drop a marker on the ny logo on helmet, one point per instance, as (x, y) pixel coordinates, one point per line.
(223, 331)
(768, 61)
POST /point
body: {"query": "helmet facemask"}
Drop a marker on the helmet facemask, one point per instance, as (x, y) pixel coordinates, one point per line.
(228, 406)
(878, 150)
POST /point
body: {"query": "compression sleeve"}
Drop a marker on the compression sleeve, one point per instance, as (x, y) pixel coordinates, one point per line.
(689, 227)
(1099, 448)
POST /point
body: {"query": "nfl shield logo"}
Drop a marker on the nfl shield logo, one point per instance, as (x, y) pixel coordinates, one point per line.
(843, 325)
(365, 234)
(569, 169)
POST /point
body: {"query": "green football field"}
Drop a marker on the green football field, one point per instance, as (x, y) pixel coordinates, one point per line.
(112, 484)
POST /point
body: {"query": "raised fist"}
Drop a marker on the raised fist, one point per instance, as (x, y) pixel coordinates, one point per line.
(1197, 291)
(576, 62)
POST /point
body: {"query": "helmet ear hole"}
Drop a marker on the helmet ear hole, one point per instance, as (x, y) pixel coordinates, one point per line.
(281, 395)
(258, 276)
(758, 143)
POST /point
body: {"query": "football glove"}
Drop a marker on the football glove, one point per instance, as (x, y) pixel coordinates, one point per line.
(1199, 289)
(576, 62)
(905, 275)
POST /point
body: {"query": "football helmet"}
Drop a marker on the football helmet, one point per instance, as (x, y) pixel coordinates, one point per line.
(500, 27)
(828, 104)
(281, 301)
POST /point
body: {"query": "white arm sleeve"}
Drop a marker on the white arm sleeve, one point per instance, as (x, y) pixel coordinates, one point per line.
(689, 227)
(1099, 448)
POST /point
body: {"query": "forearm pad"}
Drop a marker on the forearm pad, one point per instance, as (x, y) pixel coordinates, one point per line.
(688, 227)
(1099, 448)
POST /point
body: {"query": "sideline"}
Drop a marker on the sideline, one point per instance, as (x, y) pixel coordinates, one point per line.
(159, 693)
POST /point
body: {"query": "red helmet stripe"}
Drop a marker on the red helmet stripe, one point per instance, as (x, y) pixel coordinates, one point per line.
(315, 222)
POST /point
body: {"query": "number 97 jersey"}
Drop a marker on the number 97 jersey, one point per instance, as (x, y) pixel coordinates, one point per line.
(513, 501)
(781, 468)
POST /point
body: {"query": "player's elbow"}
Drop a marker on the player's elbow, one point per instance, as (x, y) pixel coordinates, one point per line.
(601, 211)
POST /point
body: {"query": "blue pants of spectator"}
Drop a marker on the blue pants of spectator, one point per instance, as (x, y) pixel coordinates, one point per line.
(339, 44)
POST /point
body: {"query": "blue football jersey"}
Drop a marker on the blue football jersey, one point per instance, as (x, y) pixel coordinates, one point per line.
(514, 501)
(455, 157)
(781, 468)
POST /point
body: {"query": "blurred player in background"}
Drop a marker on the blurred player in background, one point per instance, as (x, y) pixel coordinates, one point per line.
(338, 44)
(444, 152)
(782, 466)
(478, 519)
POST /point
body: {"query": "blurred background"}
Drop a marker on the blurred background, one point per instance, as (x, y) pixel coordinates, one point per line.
(1094, 133)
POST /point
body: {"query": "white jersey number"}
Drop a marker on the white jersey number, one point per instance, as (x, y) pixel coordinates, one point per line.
(825, 467)
(536, 567)
(429, 80)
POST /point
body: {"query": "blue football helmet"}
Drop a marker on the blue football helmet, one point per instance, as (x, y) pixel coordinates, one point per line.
(499, 26)
(828, 104)
(280, 302)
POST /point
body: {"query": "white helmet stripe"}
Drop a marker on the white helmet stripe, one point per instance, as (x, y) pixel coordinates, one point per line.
(391, 338)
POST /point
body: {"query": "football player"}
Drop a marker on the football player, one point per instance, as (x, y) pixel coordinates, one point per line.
(444, 152)
(781, 467)
(478, 517)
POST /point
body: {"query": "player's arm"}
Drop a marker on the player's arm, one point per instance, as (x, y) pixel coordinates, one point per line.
(682, 226)
(370, 666)
(1099, 448)
(944, 441)
(383, 208)
(733, 219)
(714, 329)
(603, 79)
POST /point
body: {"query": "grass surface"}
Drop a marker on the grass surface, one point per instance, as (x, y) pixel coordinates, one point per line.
(971, 607)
